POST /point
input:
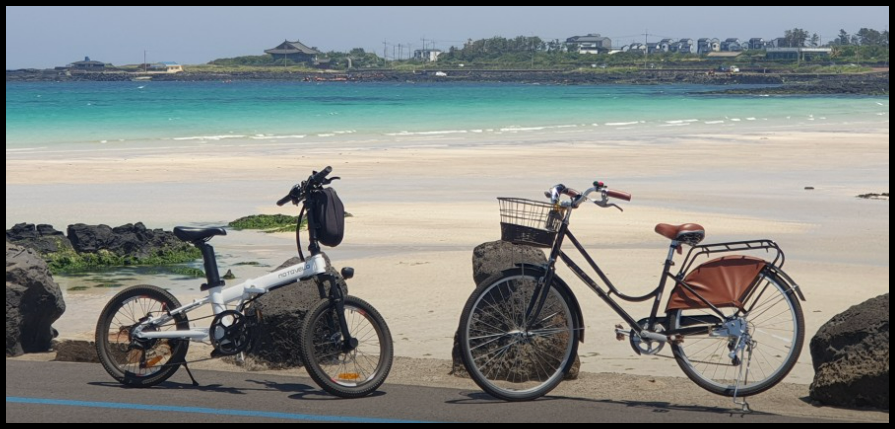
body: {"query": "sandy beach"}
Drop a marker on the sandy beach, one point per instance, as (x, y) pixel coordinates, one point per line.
(421, 206)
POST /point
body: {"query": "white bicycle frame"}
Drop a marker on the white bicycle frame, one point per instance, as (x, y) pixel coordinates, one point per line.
(219, 297)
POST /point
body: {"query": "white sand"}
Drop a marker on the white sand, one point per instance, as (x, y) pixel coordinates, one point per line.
(419, 211)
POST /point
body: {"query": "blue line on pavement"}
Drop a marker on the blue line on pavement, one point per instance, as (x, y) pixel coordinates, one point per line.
(195, 410)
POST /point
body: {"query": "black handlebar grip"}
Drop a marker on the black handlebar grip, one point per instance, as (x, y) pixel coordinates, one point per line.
(284, 200)
(319, 177)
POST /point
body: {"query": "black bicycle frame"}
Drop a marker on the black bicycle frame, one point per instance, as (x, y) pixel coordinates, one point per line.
(539, 298)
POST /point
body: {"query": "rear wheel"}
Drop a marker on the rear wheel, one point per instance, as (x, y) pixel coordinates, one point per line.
(509, 357)
(343, 371)
(140, 362)
(752, 350)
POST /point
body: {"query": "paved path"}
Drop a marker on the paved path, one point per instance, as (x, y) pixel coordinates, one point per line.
(65, 392)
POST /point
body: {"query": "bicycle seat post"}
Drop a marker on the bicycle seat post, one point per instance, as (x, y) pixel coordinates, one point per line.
(212, 276)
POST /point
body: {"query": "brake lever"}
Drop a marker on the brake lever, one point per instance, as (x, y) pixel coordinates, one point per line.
(330, 180)
(606, 204)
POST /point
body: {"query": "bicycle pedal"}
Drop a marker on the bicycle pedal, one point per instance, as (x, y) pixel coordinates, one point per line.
(619, 332)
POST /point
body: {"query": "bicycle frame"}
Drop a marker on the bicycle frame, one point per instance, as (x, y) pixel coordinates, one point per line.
(647, 332)
(219, 297)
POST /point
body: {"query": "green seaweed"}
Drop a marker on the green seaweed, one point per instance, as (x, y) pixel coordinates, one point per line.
(78, 288)
(69, 261)
(270, 223)
(267, 223)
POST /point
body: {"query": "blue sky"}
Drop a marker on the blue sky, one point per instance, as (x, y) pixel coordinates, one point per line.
(46, 36)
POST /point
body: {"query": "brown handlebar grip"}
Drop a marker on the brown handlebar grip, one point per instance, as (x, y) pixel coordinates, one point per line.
(571, 193)
(619, 195)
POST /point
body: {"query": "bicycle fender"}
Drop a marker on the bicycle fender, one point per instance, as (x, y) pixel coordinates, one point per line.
(784, 278)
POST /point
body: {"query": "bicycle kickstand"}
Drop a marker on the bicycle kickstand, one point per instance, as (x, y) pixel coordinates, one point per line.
(187, 368)
(745, 408)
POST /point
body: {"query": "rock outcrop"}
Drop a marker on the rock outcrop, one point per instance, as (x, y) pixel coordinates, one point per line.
(851, 357)
(33, 302)
(489, 259)
(492, 258)
(282, 313)
(97, 246)
(134, 240)
(42, 238)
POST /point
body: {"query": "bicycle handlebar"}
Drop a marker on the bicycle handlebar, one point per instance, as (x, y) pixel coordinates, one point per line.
(577, 197)
(318, 178)
(282, 202)
(571, 193)
(619, 195)
(298, 191)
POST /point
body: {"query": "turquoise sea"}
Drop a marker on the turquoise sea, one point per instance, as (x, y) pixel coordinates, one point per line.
(53, 115)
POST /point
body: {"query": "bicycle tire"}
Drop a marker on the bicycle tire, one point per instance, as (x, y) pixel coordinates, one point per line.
(773, 311)
(354, 374)
(123, 362)
(536, 369)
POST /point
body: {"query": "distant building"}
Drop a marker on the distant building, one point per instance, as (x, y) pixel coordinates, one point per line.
(707, 45)
(87, 65)
(430, 55)
(757, 44)
(295, 52)
(732, 45)
(779, 42)
(684, 46)
(665, 45)
(590, 44)
(634, 47)
(798, 54)
(166, 67)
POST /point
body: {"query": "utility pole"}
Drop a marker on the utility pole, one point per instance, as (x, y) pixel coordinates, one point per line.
(144, 60)
(385, 51)
(646, 47)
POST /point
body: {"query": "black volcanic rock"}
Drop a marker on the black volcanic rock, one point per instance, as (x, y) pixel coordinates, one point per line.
(33, 302)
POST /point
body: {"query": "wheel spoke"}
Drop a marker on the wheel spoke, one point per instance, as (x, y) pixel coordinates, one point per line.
(501, 355)
(773, 333)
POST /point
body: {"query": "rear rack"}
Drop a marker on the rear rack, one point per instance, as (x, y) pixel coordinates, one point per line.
(734, 246)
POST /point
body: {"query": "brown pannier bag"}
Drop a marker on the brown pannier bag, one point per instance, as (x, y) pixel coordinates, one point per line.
(724, 282)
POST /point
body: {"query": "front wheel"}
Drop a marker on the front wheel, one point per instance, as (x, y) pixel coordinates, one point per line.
(752, 350)
(137, 362)
(512, 358)
(339, 369)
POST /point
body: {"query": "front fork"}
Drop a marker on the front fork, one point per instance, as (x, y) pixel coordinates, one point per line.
(337, 300)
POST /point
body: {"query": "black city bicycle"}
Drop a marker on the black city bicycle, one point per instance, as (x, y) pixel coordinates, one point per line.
(143, 333)
(734, 323)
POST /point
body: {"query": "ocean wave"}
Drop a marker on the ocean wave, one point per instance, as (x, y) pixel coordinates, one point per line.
(26, 149)
(682, 121)
(713, 122)
(275, 137)
(622, 124)
(212, 138)
(426, 133)
(521, 129)
(518, 129)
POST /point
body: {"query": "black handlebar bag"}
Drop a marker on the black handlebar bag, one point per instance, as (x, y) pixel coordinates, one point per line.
(329, 215)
